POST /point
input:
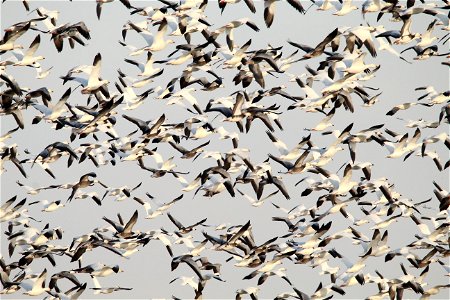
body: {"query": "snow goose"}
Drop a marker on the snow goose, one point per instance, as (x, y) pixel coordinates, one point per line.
(94, 83)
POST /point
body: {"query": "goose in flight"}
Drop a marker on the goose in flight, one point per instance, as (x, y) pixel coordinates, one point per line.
(332, 38)
(98, 289)
(51, 206)
(162, 207)
(72, 32)
(146, 69)
(402, 36)
(11, 154)
(340, 186)
(28, 59)
(269, 9)
(94, 83)
(38, 286)
(9, 39)
(159, 43)
(98, 270)
(251, 291)
(249, 3)
(126, 230)
(397, 150)
(53, 112)
(187, 154)
(230, 27)
(55, 147)
(325, 122)
(346, 7)
(84, 182)
(143, 125)
(185, 229)
(100, 3)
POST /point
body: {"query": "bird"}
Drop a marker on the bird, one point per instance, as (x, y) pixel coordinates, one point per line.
(127, 229)
(251, 291)
(249, 3)
(52, 206)
(70, 31)
(10, 37)
(146, 69)
(230, 27)
(11, 154)
(269, 9)
(83, 182)
(345, 8)
(28, 59)
(98, 270)
(185, 229)
(98, 289)
(187, 154)
(100, 3)
(159, 43)
(38, 286)
(320, 48)
(94, 83)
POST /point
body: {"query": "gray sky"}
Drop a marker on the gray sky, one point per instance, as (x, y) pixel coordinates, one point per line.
(148, 271)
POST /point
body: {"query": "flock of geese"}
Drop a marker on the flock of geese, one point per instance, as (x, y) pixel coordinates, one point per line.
(335, 79)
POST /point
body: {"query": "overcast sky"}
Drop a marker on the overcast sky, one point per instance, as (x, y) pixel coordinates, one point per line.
(148, 271)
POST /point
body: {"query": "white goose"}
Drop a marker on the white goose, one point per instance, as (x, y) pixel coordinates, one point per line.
(28, 59)
(94, 83)
(159, 43)
(38, 286)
